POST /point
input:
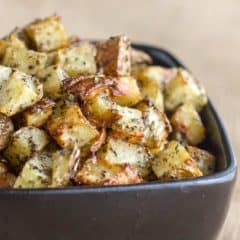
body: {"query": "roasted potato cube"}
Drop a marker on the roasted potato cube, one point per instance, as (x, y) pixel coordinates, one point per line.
(18, 92)
(70, 127)
(183, 88)
(120, 152)
(157, 126)
(205, 160)
(98, 172)
(36, 173)
(130, 126)
(188, 122)
(52, 79)
(25, 60)
(65, 165)
(6, 179)
(25, 143)
(6, 130)
(47, 34)
(100, 110)
(126, 91)
(39, 113)
(174, 162)
(113, 56)
(78, 60)
(139, 57)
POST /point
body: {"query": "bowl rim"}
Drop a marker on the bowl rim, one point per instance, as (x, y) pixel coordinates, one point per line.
(228, 174)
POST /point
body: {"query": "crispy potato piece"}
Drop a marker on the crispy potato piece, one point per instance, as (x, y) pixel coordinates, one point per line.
(113, 56)
(188, 122)
(98, 172)
(38, 114)
(126, 91)
(65, 165)
(6, 130)
(36, 173)
(25, 143)
(157, 126)
(47, 34)
(174, 162)
(130, 126)
(205, 160)
(6, 179)
(17, 91)
(183, 89)
(140, 57)
(69, 126)
(120, 152)
(52, 79)
(78, 60)
(100, 110)
(25, 60)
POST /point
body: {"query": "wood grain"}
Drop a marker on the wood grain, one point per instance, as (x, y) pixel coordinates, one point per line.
(204, 33)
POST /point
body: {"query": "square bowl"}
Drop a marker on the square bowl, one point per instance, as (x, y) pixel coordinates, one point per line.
(192, 209)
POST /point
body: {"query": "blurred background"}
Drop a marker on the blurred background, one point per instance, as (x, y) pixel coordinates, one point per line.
(204, 34)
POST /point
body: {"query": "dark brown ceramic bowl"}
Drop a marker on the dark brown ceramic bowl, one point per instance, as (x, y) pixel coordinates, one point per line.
(179, 210)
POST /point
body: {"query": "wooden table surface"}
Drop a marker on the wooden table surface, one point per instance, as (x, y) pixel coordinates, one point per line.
(204, 33)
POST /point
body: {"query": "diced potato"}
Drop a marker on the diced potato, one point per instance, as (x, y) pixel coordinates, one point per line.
(5, 73)
(120, 152)
(174, 162)
(36, 173)
(38, 114)
(3, 168)
(52, 79)
(98, 172)
(25, 60)
(179, 137)
(6, 130)
(6, 179)
(65, 165)
(47, 34)
(70, 127)
(157, 126)
(187, 121)
(25, 143)
(100, 110)
(126, 91)
(113, 56)
(140, 57)
(205, 160)
(182, 89)
(18, 91)
(78, 60)
(130, 126)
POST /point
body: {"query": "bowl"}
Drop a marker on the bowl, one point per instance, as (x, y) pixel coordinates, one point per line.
(178, 210)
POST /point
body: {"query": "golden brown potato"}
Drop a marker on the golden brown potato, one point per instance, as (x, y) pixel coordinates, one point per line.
(36, 173)
(113, 56)
(187, 121)
(174, 162)
(97, 172)
(24, 143)
(65, 165)
(120, 152)
(6, 179)
(130, 126)
(39, 113)
(69, 127)
(140, 57)
(27, 61)
(6, 130)
(78, 60)
(183, 88)
(47, 34)
(205, 160)
(157, 126)
(17, 91)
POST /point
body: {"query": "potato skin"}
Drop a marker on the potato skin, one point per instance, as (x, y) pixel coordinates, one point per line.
(187, 122)
(113, 56)
(7, 179)
(6, 130)
(174, 162)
